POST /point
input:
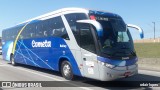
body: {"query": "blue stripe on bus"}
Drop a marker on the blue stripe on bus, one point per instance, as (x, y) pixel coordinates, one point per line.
(118, 62)
(45, 57)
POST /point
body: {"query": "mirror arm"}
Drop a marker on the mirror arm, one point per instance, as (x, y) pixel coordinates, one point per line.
(138, 28)
(94, 23)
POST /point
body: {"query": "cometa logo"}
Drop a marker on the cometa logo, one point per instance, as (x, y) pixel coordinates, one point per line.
(41, 44)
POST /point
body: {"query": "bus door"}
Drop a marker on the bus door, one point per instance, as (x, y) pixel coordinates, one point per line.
(90, 65)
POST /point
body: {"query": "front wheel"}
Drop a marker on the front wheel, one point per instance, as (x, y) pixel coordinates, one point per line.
(66, 70)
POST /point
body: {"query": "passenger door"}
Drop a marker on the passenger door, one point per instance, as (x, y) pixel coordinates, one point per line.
(88, 50)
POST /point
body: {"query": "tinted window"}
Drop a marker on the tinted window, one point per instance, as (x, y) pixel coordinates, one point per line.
(32, 30)
(51, 27)
(29, 31)
(10, 34)
(72, 18)
(14, 33)
(86, 37)
(4, 35)
(57, 28)
(82, 32)
(39, 27)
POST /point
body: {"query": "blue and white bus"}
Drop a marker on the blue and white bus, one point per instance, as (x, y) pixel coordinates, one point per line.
(74, 41)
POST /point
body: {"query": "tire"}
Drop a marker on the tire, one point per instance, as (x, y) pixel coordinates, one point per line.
(66, 70)
(13, 61)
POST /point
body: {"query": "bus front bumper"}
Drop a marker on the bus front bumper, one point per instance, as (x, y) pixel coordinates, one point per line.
(108, 74)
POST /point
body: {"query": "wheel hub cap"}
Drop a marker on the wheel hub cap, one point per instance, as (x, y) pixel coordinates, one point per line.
(66, 70)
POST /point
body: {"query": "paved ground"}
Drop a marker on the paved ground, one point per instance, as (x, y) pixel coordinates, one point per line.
(27, 73)
(152, 64)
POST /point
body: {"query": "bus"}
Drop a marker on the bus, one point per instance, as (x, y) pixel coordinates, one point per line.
(74, 41)
(0, 45)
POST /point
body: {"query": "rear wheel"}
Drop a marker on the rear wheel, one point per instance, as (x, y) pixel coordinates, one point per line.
(66, 70)
(13, 61)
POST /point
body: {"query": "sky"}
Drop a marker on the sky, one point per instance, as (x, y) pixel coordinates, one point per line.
(139, 12)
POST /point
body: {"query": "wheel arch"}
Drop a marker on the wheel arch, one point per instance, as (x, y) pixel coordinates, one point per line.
(73, 63)
(61, 59)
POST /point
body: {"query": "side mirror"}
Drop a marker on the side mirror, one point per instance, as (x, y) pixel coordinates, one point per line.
(94, 23)
(138, 28)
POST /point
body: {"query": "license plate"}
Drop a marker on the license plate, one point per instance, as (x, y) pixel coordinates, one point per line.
(127, 73)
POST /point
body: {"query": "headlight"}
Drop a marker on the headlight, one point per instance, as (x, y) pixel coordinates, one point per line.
(103, 63)
(109, 65)
(106, 64)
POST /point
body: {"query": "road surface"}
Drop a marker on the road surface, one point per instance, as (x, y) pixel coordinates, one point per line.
(28, 73)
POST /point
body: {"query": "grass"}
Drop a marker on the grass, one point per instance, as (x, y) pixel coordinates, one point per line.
(147, 50)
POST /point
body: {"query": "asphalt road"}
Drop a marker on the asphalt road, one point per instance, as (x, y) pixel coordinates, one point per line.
(28, 73)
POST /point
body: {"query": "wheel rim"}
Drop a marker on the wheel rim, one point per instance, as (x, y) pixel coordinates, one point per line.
(66, 70)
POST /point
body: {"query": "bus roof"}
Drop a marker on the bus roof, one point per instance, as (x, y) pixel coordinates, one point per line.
(50, 14)
(56, 12)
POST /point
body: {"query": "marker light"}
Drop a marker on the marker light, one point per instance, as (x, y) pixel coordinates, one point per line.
(92, 17)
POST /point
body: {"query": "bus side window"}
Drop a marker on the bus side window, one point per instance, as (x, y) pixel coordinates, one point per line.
(28, 32)
(23, 34)
(72, 18)
(45, 28)
(86, 37)
(45, 33)
(31, 31)
(57, 28)
(39, 29)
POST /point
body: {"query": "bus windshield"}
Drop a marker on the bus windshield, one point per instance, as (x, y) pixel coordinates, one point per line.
(116, 39)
